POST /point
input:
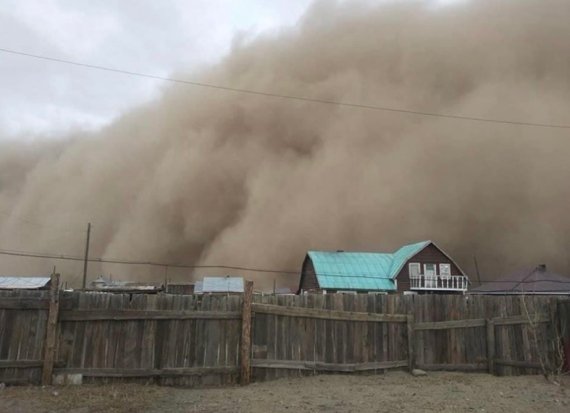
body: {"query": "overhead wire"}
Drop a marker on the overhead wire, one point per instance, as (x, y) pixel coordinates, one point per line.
(290, 97)
(19, 253)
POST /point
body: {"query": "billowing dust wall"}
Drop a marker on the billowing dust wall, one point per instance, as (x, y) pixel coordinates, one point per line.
(206, 176)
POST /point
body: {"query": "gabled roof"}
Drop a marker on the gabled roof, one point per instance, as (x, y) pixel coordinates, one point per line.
(23, 283)
(527, 281)
(369, 271)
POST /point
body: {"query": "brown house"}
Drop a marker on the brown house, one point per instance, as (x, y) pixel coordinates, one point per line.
(419, 267)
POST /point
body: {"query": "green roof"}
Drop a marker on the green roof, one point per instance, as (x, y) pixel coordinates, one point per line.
(368, 271)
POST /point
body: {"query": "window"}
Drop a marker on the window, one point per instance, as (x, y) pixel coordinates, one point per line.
(429, 269)
(445, 270)
(414, 269)
(430, 276)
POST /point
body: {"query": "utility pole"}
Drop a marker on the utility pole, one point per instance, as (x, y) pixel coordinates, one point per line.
(86, 255)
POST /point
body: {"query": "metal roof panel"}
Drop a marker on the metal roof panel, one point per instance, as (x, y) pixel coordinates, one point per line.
(369, 271)
(23, 283)
(223, 285)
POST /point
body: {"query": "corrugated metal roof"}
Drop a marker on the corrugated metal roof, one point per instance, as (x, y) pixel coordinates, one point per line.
(527, 281)
(223, 285)
(369, 271)
(23, 283)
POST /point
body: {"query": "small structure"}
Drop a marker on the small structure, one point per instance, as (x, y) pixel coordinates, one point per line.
(220, 285)
(106, 285)
(25, 283)
(420, 267)
(182, 289)
(529, 281)
(285, 291)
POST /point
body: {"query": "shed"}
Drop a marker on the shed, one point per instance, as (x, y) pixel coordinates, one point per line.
(535, 281)
(183, 289)
(220, 285)
(25, 283)
(116, 286)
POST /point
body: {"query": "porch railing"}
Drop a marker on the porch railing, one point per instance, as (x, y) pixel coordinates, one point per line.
(439, 282)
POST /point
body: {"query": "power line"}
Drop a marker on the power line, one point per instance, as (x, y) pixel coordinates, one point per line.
(291, 97)
(227, 267)
(129, 262)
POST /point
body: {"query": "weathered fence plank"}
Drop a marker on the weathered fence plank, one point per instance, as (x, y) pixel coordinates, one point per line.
(116, 372)
(49, 353)
(332, 367)
(200, 340)
(19, 303)
(122, 315)
(521, 319)
(453, 367)
(411, 341)
(245, 350)
(328, 314)
(448, 325)
(490, 346)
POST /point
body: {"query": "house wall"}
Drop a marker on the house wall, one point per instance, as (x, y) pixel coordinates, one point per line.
(308, 280)
(429, 255)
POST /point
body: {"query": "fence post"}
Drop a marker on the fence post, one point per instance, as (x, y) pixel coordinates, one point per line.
(411, 354)
(49, 346)
(246, 334)
(491, 346)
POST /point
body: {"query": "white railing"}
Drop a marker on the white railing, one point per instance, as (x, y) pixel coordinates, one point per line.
(439, 282)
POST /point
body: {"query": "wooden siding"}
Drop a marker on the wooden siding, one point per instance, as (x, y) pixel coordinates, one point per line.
(308, 280)
(429, 255)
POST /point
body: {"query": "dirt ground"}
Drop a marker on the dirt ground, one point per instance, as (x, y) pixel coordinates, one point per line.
(392, 392)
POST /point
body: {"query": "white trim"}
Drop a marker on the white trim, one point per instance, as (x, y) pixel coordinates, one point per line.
(417, 265)
(426, 270)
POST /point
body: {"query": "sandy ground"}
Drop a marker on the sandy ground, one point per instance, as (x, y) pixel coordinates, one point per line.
(393, 392)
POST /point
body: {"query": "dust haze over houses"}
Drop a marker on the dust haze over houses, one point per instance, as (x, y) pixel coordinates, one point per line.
(211, 177)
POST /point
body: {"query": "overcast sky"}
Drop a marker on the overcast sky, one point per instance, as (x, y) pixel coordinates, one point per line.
(46, 99)
(148, 36)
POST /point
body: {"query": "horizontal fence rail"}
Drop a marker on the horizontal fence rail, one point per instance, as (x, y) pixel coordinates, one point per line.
(122, 315)
(328, 314)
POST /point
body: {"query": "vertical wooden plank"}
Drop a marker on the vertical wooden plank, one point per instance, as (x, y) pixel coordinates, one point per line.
(49, 353)
(411, 356)
(246, 334)
(490, 345)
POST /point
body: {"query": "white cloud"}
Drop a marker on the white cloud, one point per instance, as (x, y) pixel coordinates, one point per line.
(159, 38)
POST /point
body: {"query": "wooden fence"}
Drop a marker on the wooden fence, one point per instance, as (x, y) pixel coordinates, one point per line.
(205, 340)
(296, 335)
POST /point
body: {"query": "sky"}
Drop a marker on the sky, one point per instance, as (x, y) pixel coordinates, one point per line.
(201, 176)
(158, 38)
(43, 99)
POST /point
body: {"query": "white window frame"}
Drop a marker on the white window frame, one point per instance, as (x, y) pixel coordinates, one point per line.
(417, 265)
(432, 281)
(442, 273)
(434, 269)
